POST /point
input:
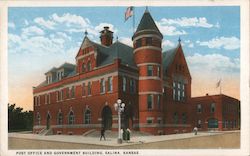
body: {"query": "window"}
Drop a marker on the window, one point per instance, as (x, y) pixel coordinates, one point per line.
(83, 67)
(89, 88)
(61, 95)
(71, 118)
(138, 43)
(72, 92)
(48, 101)
(149, 120)
(57, 96)
(150, 102)
(159, 120)
(60, 118)
(199, 108)
(178, 91)
(150, 70)
(89, 66)
(87, 116)
(67, 93)
(149, 41)
(159, 101)
(124, 84)
(212, 123)
(38, 117)
(83, 89)
(49, 79)
(212, 108)
(110, 84)
(175, 118)
(199, 124)
(39, 97)
(184, 118)
(132, 86)
(102, 86)
(158, 71)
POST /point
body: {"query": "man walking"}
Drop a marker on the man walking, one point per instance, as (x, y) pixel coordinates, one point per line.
(102, 134)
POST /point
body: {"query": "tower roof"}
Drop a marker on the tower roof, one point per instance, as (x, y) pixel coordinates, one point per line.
(147, 23)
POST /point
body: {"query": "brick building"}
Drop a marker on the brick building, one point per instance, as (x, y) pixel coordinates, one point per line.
(154, 85)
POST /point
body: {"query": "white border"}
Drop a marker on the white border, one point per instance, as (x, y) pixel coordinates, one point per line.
(244, 79)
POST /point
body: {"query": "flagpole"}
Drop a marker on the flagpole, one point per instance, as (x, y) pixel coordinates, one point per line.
(133, 19)
(220, 87)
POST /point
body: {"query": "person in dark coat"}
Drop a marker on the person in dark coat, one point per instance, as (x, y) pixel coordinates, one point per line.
(102, 134)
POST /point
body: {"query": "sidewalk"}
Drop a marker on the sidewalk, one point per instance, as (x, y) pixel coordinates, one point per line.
(112, 141)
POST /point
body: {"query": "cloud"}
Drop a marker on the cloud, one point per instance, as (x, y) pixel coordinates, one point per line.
(100, 27)
(167, 43)
(228, 43)
(191, 45)
(126, 40)
(11, 25)
(169, 30)
(189, 22)
(71, 20)
(213, 63)
(45, 23)
(32, 30)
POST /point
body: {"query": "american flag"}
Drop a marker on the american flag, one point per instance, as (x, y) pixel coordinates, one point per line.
(129, 12)
(218, 83)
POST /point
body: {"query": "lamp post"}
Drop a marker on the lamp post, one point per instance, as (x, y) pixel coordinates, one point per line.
(119, 107)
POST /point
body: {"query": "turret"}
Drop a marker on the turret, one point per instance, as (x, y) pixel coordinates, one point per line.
(148, 56)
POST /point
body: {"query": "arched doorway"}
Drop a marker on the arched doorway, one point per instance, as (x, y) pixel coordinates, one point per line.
(48, 121)
(106, 118)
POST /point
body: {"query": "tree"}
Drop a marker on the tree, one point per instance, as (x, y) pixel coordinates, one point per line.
(19, 120)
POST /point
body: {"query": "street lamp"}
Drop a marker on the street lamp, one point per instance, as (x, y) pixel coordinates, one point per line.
(119, 107)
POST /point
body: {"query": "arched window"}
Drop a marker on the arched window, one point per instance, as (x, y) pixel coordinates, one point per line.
(71, 118)
(212, 109)
(59, 118)
(89, 66)
(38, 117)
(175, 117)
(87, 116)
(83, 67)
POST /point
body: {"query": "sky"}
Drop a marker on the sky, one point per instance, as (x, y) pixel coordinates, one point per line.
(40, 38)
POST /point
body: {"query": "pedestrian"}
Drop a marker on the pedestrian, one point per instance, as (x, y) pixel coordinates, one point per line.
(102, 134)
(195, 130)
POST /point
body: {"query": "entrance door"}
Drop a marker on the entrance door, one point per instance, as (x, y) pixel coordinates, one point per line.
(212, 123)
(106, 118)
(48, 122)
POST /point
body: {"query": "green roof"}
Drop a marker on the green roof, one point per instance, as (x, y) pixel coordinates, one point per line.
(147, 23)
(168, 57)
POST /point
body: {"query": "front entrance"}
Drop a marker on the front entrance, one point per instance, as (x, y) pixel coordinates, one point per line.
(48, 122)
(212, 123)
(107, 118)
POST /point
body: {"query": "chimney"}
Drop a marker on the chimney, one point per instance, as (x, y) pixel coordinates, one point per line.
(106, 36)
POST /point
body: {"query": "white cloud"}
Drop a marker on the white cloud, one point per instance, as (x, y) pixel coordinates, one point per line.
(169, 30)
(26, 23)
(189, 22)
(167, 43)
(11, 25)
(191, 45)
(45, 23)
(102, 25)
(213, 63)
(228, 43)
(126, 40)
(32, 30)
(71, 20)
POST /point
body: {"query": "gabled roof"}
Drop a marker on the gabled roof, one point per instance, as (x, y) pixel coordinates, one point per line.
(168, 57)
(51, 70)
(147, 23)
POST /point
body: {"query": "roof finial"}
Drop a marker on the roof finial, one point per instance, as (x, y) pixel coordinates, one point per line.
(146, 9)
(116, 38)
(179, 40)
(86, 32)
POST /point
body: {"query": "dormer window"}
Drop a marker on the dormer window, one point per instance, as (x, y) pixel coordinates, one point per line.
(59, 75)
(49, 79)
